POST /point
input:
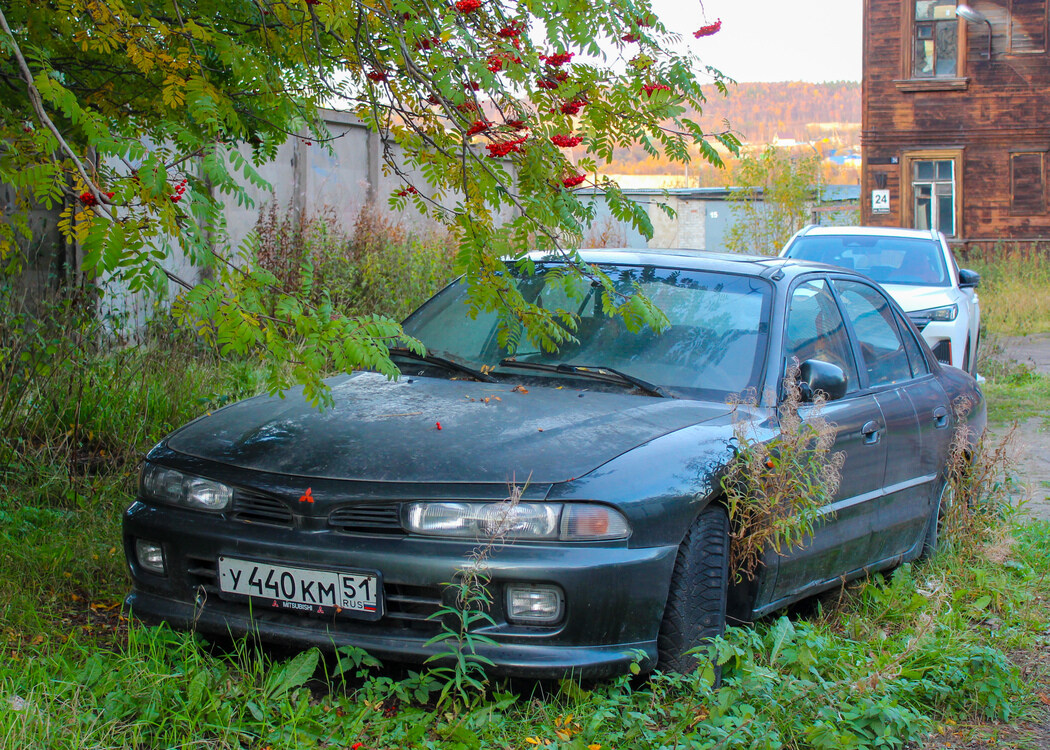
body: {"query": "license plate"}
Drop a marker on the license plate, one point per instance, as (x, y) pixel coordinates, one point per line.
(324, 593)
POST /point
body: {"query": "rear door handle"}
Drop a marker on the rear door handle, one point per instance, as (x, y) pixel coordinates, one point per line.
(940, 417)
(870, 431)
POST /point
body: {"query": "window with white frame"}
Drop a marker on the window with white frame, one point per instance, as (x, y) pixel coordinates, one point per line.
(933, 194)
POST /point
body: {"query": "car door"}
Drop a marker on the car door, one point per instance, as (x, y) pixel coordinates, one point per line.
(842, 543)
(932, 410)
(902, 509)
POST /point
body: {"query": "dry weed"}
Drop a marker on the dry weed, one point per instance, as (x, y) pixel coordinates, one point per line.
(777, 490)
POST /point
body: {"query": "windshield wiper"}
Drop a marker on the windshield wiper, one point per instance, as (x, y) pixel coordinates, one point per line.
(606, 374)
(448, 364)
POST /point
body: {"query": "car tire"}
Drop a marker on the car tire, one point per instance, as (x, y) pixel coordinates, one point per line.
(967, 360)
(696, 602)
(933, 526)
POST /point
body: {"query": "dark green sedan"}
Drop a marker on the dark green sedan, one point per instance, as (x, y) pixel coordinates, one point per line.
(309, 527)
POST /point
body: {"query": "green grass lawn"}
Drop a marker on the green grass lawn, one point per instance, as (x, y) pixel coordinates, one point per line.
(942, 645)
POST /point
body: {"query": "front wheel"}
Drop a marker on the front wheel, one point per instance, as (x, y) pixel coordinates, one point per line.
(696, 603)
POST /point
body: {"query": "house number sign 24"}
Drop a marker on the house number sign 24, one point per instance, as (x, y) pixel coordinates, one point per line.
(880, 201)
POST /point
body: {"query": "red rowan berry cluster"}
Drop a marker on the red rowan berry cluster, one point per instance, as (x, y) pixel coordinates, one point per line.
(711, 28)
(650, 88)
(505, 147)
(179, 191)
(557, 60)
(566, 141)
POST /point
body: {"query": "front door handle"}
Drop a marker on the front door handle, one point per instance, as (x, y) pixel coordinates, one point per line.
(870, 431)
(940, 417)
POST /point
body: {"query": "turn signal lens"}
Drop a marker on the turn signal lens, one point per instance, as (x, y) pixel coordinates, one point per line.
(580, 522)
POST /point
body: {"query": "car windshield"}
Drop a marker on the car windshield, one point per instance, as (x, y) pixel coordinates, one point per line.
(715, 342)
(888, 260)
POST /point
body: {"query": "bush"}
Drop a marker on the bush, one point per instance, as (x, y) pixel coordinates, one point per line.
(377, 266)
(1014, 290)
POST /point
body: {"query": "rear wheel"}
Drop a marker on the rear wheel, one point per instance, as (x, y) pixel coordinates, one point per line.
(933, 526)
(696, 603)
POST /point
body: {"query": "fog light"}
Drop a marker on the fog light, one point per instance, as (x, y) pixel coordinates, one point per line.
(534, 605)
(150, 556)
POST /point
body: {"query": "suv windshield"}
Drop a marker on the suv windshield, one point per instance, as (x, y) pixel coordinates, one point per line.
(914, 261)
(715, 341)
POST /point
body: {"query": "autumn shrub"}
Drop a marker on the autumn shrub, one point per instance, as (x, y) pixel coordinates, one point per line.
(983, 489)
(377, 266)
(775, 489)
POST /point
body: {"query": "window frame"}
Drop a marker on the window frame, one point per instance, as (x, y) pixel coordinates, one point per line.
(909, 81)
(1011, 50)
(908, 169)
(860, 376)
(1015, 209)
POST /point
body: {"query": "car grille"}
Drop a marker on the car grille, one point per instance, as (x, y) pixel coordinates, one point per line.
(254, 508)
(367, 519)
(407, 607)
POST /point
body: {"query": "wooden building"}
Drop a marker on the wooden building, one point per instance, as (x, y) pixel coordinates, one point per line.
(956, 118)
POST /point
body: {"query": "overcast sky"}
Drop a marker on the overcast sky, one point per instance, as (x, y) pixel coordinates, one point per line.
(767, 40)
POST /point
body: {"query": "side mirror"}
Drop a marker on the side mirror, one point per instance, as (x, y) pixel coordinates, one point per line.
(968, 279)
(818, 376)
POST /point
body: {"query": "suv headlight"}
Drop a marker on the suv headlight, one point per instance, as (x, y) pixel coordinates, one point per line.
(943, 314)
(571, 522)
(176, 488)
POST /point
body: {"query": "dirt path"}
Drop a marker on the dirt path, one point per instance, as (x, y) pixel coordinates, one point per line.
(1032, 439)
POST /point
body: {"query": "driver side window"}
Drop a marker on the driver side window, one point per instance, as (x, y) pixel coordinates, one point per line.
(815, 331)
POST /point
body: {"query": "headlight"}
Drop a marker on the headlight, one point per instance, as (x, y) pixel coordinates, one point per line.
(555, 521)
(171, 486)
(946, 313)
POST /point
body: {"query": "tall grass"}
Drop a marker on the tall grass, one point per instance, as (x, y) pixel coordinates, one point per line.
(1014, 290)
(77, 412)
(378, 265)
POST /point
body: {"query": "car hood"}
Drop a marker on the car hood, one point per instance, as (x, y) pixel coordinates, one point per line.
(912, 298)
(382, 430)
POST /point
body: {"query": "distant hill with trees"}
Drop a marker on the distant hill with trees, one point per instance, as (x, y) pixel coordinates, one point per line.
(760, 112)
(826, 115)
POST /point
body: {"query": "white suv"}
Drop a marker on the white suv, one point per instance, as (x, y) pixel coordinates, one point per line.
(918, 269)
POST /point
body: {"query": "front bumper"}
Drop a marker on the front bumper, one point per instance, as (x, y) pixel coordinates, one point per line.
(614, 595)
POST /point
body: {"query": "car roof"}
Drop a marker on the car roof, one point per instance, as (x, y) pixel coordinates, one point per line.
(921, 234)
(766, 266)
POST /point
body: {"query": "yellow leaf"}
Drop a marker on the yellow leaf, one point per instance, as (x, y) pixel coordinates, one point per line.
(532, 740)
(594, 746)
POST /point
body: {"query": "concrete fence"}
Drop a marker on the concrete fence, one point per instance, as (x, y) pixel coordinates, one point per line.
(308, 178)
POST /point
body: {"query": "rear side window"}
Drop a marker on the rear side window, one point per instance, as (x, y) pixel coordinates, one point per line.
(919, 365)
(880, 344)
